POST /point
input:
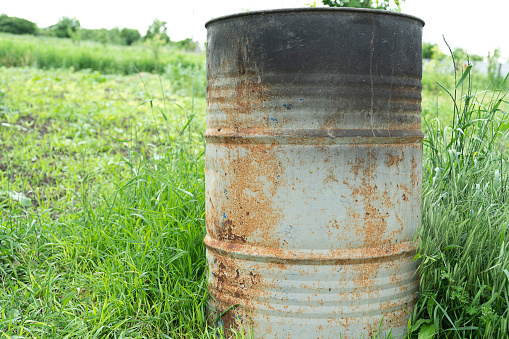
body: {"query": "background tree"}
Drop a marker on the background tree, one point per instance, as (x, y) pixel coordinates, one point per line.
(130, 36)
(65, 26)
(156, 38)
(431, 51)
(158, 27)
(375, 4)
(15, 25)
(427, 50)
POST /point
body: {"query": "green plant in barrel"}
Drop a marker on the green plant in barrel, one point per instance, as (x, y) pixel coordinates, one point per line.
(374, 4)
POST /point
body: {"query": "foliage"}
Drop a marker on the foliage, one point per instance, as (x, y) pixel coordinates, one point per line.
(130, 36)
(157, 30)
(427, 50)
(15, 25)
(431, 51)
(116, 36)
(375, 4)
(186, 44)
(71, 28)
(102, 35)
(65, 27)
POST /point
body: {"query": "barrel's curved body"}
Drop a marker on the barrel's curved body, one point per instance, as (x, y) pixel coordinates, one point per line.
(313, 171)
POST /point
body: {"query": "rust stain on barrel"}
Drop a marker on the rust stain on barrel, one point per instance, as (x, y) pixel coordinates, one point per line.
(253, 182)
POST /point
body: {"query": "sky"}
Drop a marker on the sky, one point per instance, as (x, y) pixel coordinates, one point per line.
(477, 26)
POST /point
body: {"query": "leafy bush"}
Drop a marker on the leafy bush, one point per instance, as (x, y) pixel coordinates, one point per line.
(431, 51)
(377, 4)
(186, 44)
(15, 25)
(65, 27)
(130, 36)
(157, 28)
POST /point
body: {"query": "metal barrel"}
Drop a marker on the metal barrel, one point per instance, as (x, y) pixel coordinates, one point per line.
(313, 171)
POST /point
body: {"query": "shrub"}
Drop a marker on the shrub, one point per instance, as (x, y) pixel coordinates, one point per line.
(17, 25)
(65, 26)
(130, 36)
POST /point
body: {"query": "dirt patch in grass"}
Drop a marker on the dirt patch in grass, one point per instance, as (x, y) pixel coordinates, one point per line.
(29, 123)
(27, 120)
(34, 177)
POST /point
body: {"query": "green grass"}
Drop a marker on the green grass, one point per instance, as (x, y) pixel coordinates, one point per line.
(51, 120)
(185, 71)
(102, 204)
(463, 245)
(436, 102)
(50, 53)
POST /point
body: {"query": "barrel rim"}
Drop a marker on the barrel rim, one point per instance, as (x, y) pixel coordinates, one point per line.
(314, 9)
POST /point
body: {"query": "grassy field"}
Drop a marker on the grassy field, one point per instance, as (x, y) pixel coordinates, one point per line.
(102, 203)
(49, 53)
(436, 102)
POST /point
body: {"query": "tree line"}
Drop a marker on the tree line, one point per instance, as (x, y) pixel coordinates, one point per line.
(71, 28)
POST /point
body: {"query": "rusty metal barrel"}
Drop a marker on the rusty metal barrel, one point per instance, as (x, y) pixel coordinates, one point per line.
(313, 171)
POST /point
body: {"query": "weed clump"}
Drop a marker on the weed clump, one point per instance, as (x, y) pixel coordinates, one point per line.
(463, 242)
